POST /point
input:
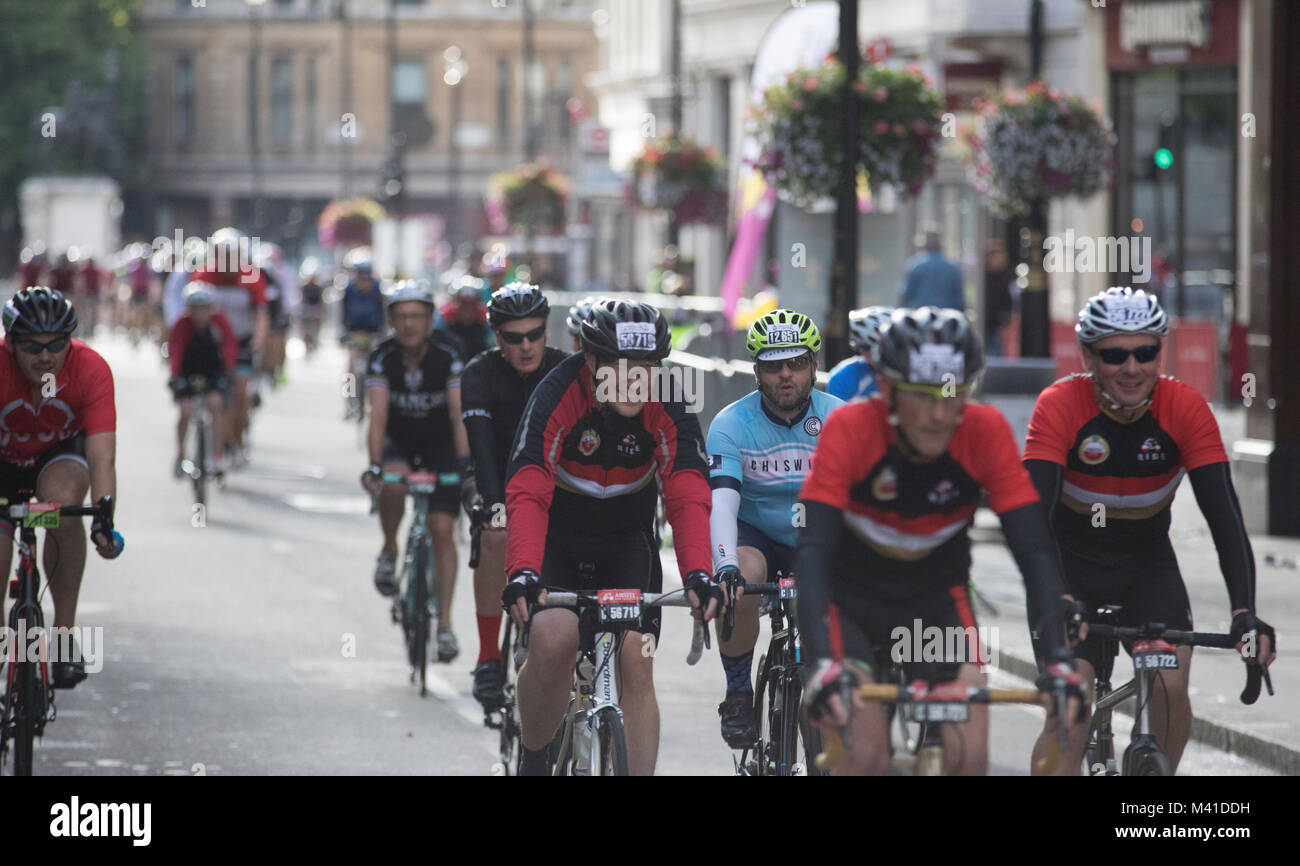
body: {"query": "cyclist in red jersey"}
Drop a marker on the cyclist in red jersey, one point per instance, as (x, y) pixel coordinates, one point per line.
(888, 500)
(201, 343)
(57, 423)
(580, 502)
(241, 294)
(1107, 450)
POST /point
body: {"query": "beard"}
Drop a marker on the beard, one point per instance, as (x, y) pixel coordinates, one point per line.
(773, 395)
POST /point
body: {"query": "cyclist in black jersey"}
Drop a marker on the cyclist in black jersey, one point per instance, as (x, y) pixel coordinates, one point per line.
(495, 387)
(413, 385)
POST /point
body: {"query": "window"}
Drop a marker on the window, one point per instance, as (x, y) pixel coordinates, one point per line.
(281, 100)
(309, 111)
(503, 103)
(408, 83)
(183, 115)
(409, 91)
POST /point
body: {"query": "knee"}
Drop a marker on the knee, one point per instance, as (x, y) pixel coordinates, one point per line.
(637, 670)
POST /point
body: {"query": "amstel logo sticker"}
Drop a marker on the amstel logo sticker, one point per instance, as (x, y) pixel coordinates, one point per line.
(885, 487)
(589, 442)
(1094, 450)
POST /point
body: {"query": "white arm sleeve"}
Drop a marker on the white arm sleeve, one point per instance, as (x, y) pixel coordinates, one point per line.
(722, 527)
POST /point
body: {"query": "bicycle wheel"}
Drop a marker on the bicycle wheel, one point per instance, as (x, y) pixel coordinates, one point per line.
(808, 735)
(201, 463)
(418, 592)
(510, 751)
(28, 708)
(613, 744)
(1146, 760)
(760, 763)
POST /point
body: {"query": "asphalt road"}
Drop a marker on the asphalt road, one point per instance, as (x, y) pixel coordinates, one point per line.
(250, 640)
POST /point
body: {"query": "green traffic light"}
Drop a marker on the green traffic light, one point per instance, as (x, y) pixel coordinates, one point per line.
(1164, 158)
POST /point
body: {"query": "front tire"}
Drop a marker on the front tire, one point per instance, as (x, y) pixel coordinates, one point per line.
(1146, 761)
(613, 744)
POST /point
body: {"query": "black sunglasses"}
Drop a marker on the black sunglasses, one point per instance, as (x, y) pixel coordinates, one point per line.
(514, 338)
(33, 347)
(1116, 357)
(796, 364)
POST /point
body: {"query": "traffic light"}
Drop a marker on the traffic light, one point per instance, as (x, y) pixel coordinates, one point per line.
(1163, 156)
(392, 187)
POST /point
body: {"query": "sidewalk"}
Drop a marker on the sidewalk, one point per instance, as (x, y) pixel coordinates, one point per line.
(1265, 732)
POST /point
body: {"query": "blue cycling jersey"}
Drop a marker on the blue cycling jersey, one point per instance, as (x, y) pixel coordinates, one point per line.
(363, 311)
(766, 458)
(852, 378)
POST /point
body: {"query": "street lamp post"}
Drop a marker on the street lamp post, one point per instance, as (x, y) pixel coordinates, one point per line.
(1035, 311)
(675, 106)
(844, 274)
(254, 144)
(530, 124)
(455, 69)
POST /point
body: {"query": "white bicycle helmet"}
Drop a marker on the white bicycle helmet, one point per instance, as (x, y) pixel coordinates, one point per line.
(1121, 310)
(865, 325)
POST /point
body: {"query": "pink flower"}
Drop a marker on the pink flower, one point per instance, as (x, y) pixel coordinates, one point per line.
(881, 127)
(881, 94)
(919, 127)
(900, 130)
(810, 83)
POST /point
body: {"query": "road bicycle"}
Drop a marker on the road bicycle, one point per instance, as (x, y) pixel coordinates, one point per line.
(591, 741)
(201, 466)
(354, 399)
(779, 691)
(28, 703)
(1153, 651)
(416, 608)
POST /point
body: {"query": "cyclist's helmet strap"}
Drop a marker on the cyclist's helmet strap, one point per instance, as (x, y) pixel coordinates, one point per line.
(624, 329)
(39, 310)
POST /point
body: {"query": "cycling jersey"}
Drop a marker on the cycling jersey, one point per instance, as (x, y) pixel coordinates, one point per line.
(239, 294)
(82, 402)
(907, 522)
(208, 352)
(473, 336)
(418, 417)
(313, 294)
(363, 310)
(492, 400)
(1082, 457)
(765, 459)
(576, 468)
(852, 378)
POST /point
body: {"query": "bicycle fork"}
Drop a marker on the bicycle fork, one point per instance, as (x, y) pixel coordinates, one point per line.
(597, 691)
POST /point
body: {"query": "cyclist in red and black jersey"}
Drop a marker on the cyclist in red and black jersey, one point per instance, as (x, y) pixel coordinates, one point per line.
(201, 343)
(494, 388)
(1107, 451)
(57, 423)
(888, 501)
(580, 502)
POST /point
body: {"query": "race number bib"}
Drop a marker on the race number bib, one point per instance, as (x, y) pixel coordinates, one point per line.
(782, 335)
(932, 362)
(1127, 312)
(634, 336)
(619, 605)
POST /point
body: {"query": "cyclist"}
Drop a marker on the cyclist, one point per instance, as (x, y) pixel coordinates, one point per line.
(760, 451)
(271, 264)
(465, 316)
(573, 322)
(494, 389)
(240, 290)
(413, 385)
(201, 343)
(57, 423)
(853, 377)
(580, 502)
(189, 259)
(312, 309)
(892, 490)
(363, 307)
(1122, 437)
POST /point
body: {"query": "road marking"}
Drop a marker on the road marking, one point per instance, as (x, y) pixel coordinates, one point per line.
(326, 504)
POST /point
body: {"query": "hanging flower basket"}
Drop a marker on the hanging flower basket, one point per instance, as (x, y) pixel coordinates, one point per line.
(675, 173)
(530, 199)
(799, 122)
(1039, 144)
(348, 223)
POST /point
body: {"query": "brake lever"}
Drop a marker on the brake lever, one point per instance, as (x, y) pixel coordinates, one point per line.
(846, 698)
(729, 618)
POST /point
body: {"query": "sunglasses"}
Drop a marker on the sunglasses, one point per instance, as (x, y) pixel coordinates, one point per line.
(33, 347)
(514, 338)
(796, 364)
(1117, 357)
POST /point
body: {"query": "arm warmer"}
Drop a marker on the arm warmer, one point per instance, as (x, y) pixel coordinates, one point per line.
(1212, 485)
(1030, 538)
(722, 527)
(814, 557)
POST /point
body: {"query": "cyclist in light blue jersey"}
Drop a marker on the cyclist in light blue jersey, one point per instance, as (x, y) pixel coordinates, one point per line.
(853, 377)
(760, 450)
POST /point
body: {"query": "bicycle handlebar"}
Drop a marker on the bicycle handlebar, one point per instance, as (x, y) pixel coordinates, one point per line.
(577, 600)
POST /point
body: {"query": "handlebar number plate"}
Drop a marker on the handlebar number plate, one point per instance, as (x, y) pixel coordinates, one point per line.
(422, 482)
(42, 515)
(1153, 655)
(785, 589)
(619, 605)
(939, 711)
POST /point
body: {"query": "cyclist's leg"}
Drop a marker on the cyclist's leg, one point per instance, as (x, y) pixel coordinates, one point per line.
(442, 529)
(392, 500)
(64, 478)
(632, 560)
(216, 409)
(12, 480)
(853, 638)
(546, 677)
(489, 583)
(186, 406)
(966, 744)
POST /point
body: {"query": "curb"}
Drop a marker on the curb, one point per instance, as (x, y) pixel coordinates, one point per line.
(1278, 756)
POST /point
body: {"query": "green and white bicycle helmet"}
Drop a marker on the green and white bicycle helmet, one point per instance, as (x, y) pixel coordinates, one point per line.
(782, 334)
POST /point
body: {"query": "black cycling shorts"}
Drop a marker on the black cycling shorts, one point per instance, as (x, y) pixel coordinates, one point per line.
(1147, 585)
(446, 498)
(886, 633)
(217, 383)
(622, 560)
(779, 557)
(244, 357)
(16, 480)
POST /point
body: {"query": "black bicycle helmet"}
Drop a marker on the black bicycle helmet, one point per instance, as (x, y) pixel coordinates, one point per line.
(577, 313)
(623, 329)
(925, 346)
(515, 301)
(38, 310)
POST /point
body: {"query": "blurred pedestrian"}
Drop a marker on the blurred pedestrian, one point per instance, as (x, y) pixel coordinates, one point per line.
(931, 280)
(997, 294)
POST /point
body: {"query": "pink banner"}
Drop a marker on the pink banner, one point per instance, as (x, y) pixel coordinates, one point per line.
(749, 240)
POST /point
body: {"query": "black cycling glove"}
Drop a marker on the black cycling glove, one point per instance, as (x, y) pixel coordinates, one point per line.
(523, 584)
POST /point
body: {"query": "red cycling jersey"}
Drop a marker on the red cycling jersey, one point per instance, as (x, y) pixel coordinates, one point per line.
(82, 402)
(219, 334)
